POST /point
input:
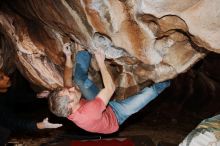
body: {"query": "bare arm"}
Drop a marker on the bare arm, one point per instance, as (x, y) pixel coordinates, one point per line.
(109, 87)
(68, 70)
(45, 124)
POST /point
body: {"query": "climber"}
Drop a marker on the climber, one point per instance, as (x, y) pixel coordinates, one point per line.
(95, 113)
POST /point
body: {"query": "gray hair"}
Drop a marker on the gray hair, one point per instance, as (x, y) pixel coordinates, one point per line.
(58, 105)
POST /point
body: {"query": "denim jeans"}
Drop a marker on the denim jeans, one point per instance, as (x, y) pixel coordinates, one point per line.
(123, 108)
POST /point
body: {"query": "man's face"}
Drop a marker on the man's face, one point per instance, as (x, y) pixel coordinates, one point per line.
(73, 94)
(4, 82)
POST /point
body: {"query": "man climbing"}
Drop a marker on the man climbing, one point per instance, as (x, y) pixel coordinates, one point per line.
(96, 113)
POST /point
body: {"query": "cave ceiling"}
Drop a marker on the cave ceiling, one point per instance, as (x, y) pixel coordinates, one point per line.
(144, 40)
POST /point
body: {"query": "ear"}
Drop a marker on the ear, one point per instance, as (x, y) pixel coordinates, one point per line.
(43, 94)
(72, 89)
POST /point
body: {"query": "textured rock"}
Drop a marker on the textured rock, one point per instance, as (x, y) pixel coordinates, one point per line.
(144, 40)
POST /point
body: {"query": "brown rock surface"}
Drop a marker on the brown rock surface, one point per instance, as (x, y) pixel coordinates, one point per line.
(144, 40)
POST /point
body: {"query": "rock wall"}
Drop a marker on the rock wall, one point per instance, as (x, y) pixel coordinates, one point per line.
(144, 40)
